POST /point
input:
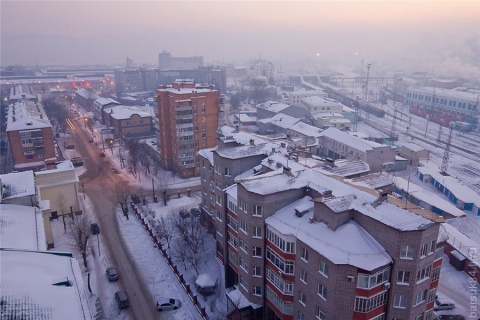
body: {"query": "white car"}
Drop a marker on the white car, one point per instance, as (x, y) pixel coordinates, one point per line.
(168, 304)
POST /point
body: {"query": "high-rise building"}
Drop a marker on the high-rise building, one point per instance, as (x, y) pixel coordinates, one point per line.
(188, 118)
(167, 62)
(299, 244)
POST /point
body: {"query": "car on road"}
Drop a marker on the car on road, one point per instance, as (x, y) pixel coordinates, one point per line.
(184, 214)
(135, 199)
(165, 304)
(90, 140)
(70, 146)
(94, 228)
(102, 154)
(122, 299)
(195, 212)
(112, 274)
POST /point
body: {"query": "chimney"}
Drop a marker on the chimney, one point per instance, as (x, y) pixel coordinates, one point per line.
(252, 142)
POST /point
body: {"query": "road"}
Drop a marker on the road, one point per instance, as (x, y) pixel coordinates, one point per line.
(99, 184)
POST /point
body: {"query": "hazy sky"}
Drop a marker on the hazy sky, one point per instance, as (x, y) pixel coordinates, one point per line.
(91, 32)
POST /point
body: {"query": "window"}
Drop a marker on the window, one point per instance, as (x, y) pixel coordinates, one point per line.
(423, 274)
(257, 211)
(322, 291)
(257, 232)
(257, 290)
(301, 316)
(280, 243)
(400, 301)
(406, 252)
(305, 254)
(243, 245)
(227, 171)
(319, 314)
(232, 240)
(367, 304)
(286, 266)
(257, 252)
(432, 295)
(219, 230)
(424, 250)
(302, 298)
(243, 226)
(232, 223)
(303, 276)
(242, 204)
(257, 271)
(284, 306)
(403, 277)
(420, 297)
(366, 281)
(243, 264)
(435, 274)
(232, 206)
(323, 268)
(432, 247)
(243, 283)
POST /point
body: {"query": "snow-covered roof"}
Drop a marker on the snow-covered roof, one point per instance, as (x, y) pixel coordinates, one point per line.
(348, 168)
(317, 101)
(461, 191)
(386, 212)
(276, 159)
(126, 112)
(445, 93)
(412, 146)
(105, 101)
(240, 137)
(18, 184)
(374, 181)
(207, 154)
(273, 106)
(86, 94)
(28, 288)
(281, 120)
(205, 280)
(460, 241)
(27, 115)
(306, 129)
(243, 151)
(349, 140)
(240, 300)
(21, 228)
(428, 197)
(187, 90)
(349, 244)
(232, 191)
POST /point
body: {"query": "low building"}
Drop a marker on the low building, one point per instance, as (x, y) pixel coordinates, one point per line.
(129, 122)
(30, 136)
(413, 153)
(101, 104)
(337, 144)
(85, 98)
(296, 97)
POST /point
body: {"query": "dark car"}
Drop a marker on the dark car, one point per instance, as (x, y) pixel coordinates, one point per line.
(184, 214)
(112, 274)
(135, 199)
(102, 154)
(70, 146)
(94, 228)
(195, 212)
(122, 299)
(90, 140)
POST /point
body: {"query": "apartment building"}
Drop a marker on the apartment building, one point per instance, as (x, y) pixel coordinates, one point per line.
(188, 119)
(337, 144)
(30, 136)
(168, 62)
(297, 244)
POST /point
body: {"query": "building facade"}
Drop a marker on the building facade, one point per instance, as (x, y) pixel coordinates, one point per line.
(300, 245)
(129, 122)
(188, 120)
(168, 62)
(30, 136)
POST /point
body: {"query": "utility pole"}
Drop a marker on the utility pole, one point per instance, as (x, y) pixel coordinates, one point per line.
(366, 88)
(439, 137)
(357, 115)
(392, 131)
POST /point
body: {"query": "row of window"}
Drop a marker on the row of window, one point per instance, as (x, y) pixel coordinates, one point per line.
(400, 301)
(275, 239)
(367, 304)
(366, 281)
(406, 251)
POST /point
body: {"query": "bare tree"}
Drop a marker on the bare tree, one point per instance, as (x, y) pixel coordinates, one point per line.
(165, 228)
(62, 207)
(77, 233)
(163, 181)
(122, 192)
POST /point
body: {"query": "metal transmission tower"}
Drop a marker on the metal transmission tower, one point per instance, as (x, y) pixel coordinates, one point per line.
(357, 115)
(446, 154)
(366, 88)
(439, 137)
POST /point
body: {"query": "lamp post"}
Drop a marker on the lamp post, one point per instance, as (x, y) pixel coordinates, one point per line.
(103, 141)
(83, 188)
(110, 143)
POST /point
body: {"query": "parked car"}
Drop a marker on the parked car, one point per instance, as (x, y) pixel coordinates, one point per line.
(184, 214)
(165, 304)
(102, 154)
(450, 317)
(90, 140)
(195, 212)
(94, 228)
(443, 304)
(135, 199)
(112, 274)
(122, 299)
(70, 146)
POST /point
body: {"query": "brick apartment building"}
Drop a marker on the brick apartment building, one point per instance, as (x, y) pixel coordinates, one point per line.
(188, 118)
(298, 244)
(30, 136)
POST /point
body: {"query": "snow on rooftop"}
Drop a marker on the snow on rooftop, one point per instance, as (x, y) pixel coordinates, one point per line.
(349, 244)
(350, 140)
(240, 300)
(373, 181)
(281, 120)
(428, 197)
(240, 137)
(27, 115)
(18, 184)
(306, 129)
(104, 101)
(28, 290)
(461, 191)
(207, 154)
(273, 106)
(412, 146)
(126, 112)
(460, 241)
(25, 221)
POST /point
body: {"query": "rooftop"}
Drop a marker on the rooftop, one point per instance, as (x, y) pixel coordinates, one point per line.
(16, 185)
(27, 115)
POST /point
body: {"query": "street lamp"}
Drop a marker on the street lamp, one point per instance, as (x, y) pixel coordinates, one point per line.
(110, 142)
